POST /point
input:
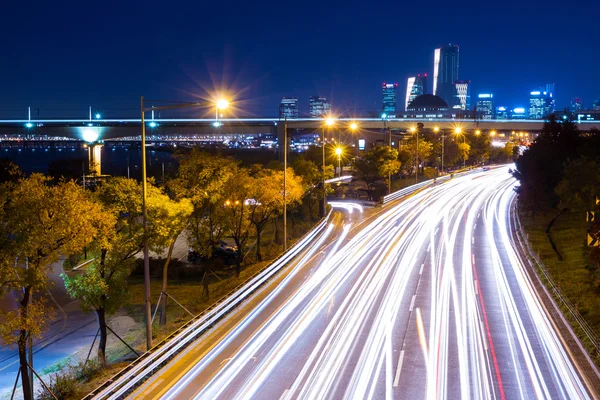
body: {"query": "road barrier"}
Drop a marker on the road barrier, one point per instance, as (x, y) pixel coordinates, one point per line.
(132, 376)
(411, 189)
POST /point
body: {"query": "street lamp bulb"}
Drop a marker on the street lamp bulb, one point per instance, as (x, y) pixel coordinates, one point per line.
(383, 116)
(436, 129)
(478, 132)
(413, 129)
(222, 104)
(457, 130)
(338, 151)
(329, 121)
(493, 133)
(353, 126)
(98, 116)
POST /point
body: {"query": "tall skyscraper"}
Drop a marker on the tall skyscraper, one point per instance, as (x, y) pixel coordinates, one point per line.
(462, 95)
(541, 102)
(389, 98)
(537, 102)
(550, 102)
(485, 105)
(576, 105)
(445, 72)
(501, 112)
(288, 108)
(416, 86)
(318, 106)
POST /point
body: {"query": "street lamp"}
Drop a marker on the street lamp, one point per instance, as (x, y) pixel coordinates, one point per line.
(478, 132)
(414, 130)
(338, 152)
(329, 122)
(436, 129)
(492, 134)
(221, 104)
(458, 131)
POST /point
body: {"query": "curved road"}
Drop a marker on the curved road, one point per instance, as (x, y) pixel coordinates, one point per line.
(424, 299)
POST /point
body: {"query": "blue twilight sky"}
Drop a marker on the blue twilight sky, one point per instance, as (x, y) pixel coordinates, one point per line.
(62, 57)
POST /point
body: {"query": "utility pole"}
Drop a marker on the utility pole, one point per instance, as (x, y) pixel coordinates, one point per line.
(285, 147)
(324, 191)
(147, 305)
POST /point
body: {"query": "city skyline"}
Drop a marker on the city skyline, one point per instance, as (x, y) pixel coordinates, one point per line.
(64, 68)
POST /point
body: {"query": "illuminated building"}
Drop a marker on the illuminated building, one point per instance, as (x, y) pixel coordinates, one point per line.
(576, 105)
(389, 98)
(288, 108)
(445, 72)
(501, 112)
(462, 95)
(541, 102)
(485, 105)
(518, 113)
(416, 86)
(318, 106)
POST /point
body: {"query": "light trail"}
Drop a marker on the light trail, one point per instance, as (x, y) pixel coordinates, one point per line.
(347, 330)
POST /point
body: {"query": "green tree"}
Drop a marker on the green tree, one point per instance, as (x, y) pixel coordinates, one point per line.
(102, 288)
(40, 222)
(9, 171)
(312, 178)
(580, 184)
(266, 201)
(167, 220)
(236, 212)
(480, 149)
(409, 151)
(376, 164)
(463, 152)
(202, 178)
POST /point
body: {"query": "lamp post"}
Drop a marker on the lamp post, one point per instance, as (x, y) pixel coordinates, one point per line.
(285, 146)
(353, 127)
(220, 104)
(414, 130)
(338, 152)
(388, 131)
(436, 129)
(492, 134)
(329, 122)
(458, 131)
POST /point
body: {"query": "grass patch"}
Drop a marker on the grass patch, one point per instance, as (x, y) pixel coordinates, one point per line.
(573, 275)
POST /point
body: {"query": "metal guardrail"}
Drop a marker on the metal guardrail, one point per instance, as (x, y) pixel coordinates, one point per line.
(129, 378)
(552, 286)
(413, 188)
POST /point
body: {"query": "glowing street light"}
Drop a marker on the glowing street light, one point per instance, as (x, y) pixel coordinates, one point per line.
(98, 115)
(329, 122)
(414, 130)
(493, 133)
(353, 126)
(220, 104)
(478, 132)
(338, 152)
(436, 129)
(458, 131)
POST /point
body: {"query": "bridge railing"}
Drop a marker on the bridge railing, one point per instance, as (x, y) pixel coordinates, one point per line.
(129, 378)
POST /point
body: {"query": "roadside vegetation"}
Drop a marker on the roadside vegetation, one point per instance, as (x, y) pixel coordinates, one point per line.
(213, 201)
(559, 177)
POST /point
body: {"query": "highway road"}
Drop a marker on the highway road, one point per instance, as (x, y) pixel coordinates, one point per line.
(425, 298)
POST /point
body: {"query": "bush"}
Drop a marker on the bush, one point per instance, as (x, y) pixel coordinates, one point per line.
(64, 383)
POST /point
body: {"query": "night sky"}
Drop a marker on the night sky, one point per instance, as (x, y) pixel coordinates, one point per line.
(65, 56)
